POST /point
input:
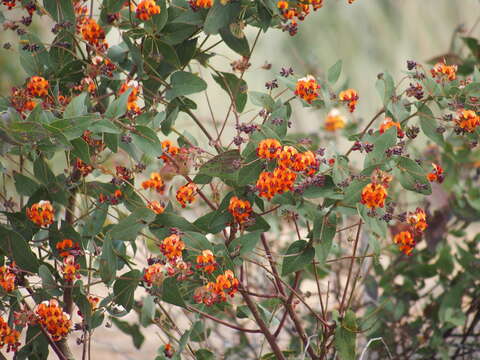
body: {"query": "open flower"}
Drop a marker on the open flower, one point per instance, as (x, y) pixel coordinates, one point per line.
(156, 207)
(206, 262)
(334, 121)
(186, 194)
(154, 274)
(241, 210)
(374, 195)
(41, 213)
(444, 72)
(269, 149)
(436, 175)
(155, 182)
(388, 123)
(172, 247)
(37, 86)
(349, 96)
(146, 9)
(53, 319)
(307, 88)
(8, 336)
(405, 241)
(468, 120)
(7, 279)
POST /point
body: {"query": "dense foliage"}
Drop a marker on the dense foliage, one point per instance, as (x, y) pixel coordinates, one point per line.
(239, 239)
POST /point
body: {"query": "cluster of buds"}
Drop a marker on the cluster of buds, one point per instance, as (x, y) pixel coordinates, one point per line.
(225, 285)
(436, 175)
(93, 34)
(415, 91)
(155, 182)
(241, 210)
(299, 11)
(467, 121)
(132, 105)
(359, 146)
(156, 207)
(51, 316)
(388, 123)
(196, 5)
(8, 336)
(443, 72)
(146, 9)
(334, 121)
(186, 194)
(97, 145)
(7, 278)
(307, 88)
(349, 96)
(103, 66)
(406, 240)
(82, 168)
(41, 213)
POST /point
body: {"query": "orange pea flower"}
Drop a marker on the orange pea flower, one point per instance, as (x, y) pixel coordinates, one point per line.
(241, 210)
(154, 274)
(53, 319)
(146, 9)
(37, 86)
(186, 194)
(155, 182)
(334, 121)
(8, 336)
(437, 174)
(7, 279)
(468, 120)
(406, 242)
(70, 269)
(41, 213)
(269, 149)
(443, 71)
(172, 247)
(307, 88)
(418, 220)
(374, 195)
(93, 33)
(388, 123)
(82, 167)
(287, 157)
(156, 207)
(206, 262)
(200, 4)
(350, 96)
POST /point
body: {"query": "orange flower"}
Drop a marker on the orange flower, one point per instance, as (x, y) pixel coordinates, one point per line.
(405, 241)
(53, 319)
(269, 149)
(306, 162)
(350, 96)
(41, 213)
(155, 182)
(200, 4)
(172, 247)
(215, 292)
(186, 194)
(277, 182)
(93, 33)
(82, 167)
(66, 247)
(374, 195)
(156, 207)
(388, 123)
(8, 336)
(146, 9)
(468, 120)
(93, 300)
(241, 210)
(287, 156)
(307, 88)
(170, 149)
(444, 71)
(334, 121)
(436, 174)
(37, 86)
(88, 84)
(381, 177)
(282, 5)
(70, 269)
(206, 262)
(418, 220)
(10, 4)
(154, 274)
(7, 279)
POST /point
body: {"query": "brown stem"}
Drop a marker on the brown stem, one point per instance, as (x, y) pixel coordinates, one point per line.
(220, 321)
(362, 134)
(266, 332)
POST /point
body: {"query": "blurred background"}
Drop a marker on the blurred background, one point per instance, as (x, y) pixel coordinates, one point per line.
(370, 36)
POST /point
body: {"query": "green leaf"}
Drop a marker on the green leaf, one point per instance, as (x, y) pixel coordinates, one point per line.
(76, 107)
(128, 228)
(184, 83)
(429, 125)
(245, 243)
(160, 20)
(385, 87)
(24, 185)
(146, 140)
(262, 99)
(14, 244)
(42, 172)
(61, 11)
(197, 241)
(148, 310)
(323, 232)
(235, 88)
(169, 220)
(124, 288)
(204, 354)
(409, 173)
(299, 254)
(346, 337)
(81, 150)
(237, 44)
(221, 166)
(374, 223)
(130, 329)
(108, 260)
(48, 282)
(340, 171)
(381, 142)
(171, 293)
(118, 107)
(334, 72)
(220, 16)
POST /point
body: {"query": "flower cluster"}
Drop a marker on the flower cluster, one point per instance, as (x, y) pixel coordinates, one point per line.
(406, 242)
(418, 220)
(298, 12)
(146, 9)
(67, 247)
(334, 121)
(93, 33)
(442, 71)
(41, 213)
(186, 194)
(307, 88)
(225, 285)
(200, 4)
(277, 182)
(241, 210)
(374, 195)
(155, 182)
(436, 175)
(112, 199)
(172, 247)
(388, 123)
(269, 149)
(154, 274)
(7, 278)
(206, 262)
(132, 105)
(8, 336)
(83, 168)
(350, 96)
(467, 120)
(170, 149)
(51, 316)
(37, 86)
(70, 269)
